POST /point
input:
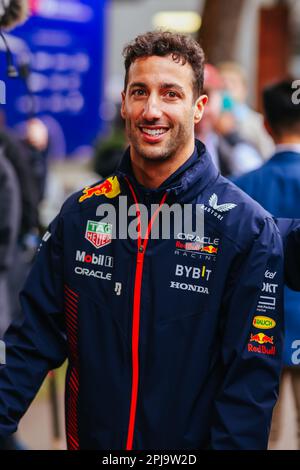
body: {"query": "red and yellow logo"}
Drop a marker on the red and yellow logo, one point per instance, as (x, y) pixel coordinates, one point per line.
(261, 338)
(263, 323)
(210, 249)
(109, 188)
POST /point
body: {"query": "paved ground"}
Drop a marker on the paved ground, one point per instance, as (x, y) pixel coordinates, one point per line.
(35, 428)
(287, 439)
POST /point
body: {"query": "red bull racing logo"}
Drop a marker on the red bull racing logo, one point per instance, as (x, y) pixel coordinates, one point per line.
(192, 246)
(261, 339)
(210, 249)
(109, 188)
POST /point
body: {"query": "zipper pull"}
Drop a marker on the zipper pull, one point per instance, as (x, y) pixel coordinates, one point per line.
(141, 253)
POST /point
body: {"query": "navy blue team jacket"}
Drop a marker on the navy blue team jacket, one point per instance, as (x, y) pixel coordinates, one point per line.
(281, 176)
(171, 343)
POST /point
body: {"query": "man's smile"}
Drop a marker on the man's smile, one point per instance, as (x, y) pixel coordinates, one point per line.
(153, 134)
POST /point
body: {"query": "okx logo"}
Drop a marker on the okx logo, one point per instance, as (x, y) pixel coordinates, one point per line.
(2, 353)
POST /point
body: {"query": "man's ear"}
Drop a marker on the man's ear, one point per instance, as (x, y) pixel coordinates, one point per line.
(123, 114)
(199, 108)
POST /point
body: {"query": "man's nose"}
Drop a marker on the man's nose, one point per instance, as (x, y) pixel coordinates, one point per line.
(152, 109)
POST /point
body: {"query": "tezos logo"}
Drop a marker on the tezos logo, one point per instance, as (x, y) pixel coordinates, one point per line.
(270, 275)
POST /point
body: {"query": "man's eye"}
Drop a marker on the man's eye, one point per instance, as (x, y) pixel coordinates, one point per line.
(138, 92)
(172, 94)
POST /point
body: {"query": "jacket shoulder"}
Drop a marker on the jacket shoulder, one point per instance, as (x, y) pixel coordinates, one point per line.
(242, 200)
(90, 196)
(236, 214)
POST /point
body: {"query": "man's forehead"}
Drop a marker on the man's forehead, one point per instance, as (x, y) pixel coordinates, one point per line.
(164, 69)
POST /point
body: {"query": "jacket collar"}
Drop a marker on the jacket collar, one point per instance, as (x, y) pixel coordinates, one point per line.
(284, 156)
(287, 148)
(188, 181)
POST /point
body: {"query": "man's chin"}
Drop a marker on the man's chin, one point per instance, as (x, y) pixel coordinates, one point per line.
(154, 156)
(154, 153)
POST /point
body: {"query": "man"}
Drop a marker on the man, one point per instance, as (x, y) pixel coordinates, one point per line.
(10, 222)
(276, 186)
(27, 184)
(164, 336)
(10, 210)
(249, 122)
(231, 153)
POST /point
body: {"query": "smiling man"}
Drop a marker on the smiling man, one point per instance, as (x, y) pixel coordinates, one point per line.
(160, 110)
(173, 342)
(161, 104)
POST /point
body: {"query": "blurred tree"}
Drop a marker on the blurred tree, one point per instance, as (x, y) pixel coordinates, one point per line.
(218, 33)
(274, 45)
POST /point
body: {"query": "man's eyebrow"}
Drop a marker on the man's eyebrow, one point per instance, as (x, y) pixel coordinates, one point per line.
(163, 86)
(172, 85)
(138, 84)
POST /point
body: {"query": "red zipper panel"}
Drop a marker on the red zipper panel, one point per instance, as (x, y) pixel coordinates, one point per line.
(142, 245)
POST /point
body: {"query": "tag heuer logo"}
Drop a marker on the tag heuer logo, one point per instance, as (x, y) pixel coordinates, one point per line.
(98, 233)
(213, 202)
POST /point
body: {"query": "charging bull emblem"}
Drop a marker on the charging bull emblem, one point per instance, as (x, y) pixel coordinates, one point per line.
(109, 188)
(261, 338)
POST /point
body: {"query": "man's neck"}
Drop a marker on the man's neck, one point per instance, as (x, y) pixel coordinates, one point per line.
(151, 174)
(287, 139)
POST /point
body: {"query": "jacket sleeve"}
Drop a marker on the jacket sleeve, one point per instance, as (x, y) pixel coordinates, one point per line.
(290, 232)
(251, 345)
(38, 344)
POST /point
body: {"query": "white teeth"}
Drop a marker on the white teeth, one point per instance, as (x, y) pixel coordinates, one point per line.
(154, 131)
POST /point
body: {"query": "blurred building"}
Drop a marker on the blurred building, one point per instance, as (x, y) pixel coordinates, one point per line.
(268, 33)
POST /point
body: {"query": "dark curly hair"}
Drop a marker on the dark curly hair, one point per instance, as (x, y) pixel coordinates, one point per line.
(182, 48)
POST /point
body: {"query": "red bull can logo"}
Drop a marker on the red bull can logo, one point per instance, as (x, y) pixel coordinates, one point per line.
(109, 188)
(261, 338)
